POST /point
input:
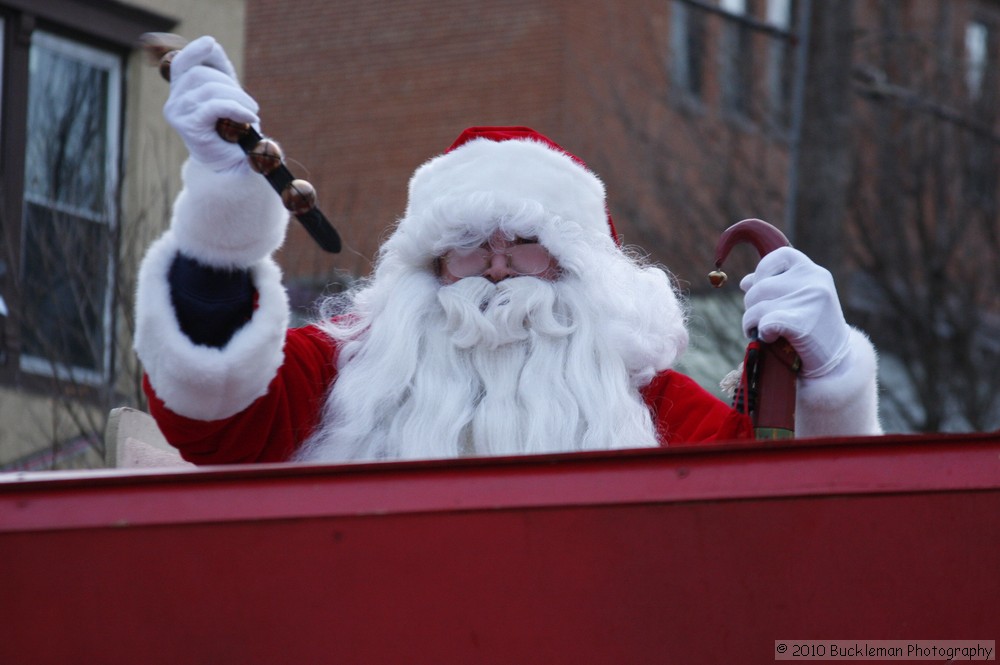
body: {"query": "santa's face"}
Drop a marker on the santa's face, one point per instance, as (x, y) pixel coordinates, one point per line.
(525, 328)
(500, 257)
(508, 349)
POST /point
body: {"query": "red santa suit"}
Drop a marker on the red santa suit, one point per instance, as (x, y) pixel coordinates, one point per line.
(266, 390)
(272, 428)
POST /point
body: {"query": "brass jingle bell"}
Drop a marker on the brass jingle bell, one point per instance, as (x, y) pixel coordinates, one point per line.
(164, 65)
(265, 157)
(299, 197)
(160, 49)
(230, 130)
(717, 278)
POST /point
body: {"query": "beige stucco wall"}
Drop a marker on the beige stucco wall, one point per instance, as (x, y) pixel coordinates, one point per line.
(152, 159)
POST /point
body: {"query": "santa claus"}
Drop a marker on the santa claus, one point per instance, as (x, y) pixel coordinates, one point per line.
(502, 316)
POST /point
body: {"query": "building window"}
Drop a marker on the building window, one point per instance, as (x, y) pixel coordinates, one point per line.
(687, 41)
(3, 34)
(63, 64)
(4, 308)
(737, 60)
(976, 41)
(70, 189)
(782, 15)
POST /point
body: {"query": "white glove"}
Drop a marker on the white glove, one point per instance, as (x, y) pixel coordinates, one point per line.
(203, 89)
(790, 296)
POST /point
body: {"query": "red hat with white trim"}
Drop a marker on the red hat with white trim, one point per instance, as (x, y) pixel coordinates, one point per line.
(508, 166)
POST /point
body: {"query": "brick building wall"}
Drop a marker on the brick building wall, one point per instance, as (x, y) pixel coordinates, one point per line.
(362, 93)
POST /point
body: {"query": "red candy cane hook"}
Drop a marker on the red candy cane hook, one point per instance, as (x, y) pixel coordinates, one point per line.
(767, 391)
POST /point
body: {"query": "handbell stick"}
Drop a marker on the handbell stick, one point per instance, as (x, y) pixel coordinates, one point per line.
(769, 370)
(264, 155)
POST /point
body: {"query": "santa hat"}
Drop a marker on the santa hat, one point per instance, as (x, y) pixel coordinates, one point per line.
(509, 166)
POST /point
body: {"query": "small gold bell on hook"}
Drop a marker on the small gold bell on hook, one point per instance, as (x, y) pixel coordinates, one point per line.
(717, 278)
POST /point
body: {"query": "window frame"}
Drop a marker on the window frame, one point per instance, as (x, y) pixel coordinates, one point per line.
(736, 56)
(782, 63)
(104, 25)
(688, 50)
(113, 65)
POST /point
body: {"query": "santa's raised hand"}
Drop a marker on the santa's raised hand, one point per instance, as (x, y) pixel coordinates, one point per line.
(225, 215)
(203, 89)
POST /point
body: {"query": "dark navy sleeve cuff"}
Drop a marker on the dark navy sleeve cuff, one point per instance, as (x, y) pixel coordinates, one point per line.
(211, 303)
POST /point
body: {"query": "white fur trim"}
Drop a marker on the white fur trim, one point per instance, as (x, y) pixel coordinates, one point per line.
(230, 219)
(197, 381)
(511, 171)
(843, 402)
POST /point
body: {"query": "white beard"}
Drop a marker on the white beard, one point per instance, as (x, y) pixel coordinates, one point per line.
(523, 366)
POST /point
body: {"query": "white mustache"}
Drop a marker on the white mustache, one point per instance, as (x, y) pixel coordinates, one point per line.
(477, 311)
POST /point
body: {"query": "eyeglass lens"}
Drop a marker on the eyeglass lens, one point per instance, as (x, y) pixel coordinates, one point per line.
(524, 259)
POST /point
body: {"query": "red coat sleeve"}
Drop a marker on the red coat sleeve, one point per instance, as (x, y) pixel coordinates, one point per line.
(684, 412)
(273, 427)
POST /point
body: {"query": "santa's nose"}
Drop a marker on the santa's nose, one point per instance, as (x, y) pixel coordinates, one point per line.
(499, 268)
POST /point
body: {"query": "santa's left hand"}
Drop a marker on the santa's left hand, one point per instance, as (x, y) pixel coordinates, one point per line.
(790, 296)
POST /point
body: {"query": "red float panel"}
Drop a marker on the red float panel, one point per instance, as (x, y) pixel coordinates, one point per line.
(693, 555)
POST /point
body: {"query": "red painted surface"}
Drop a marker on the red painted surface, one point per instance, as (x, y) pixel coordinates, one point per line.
(702, 555)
